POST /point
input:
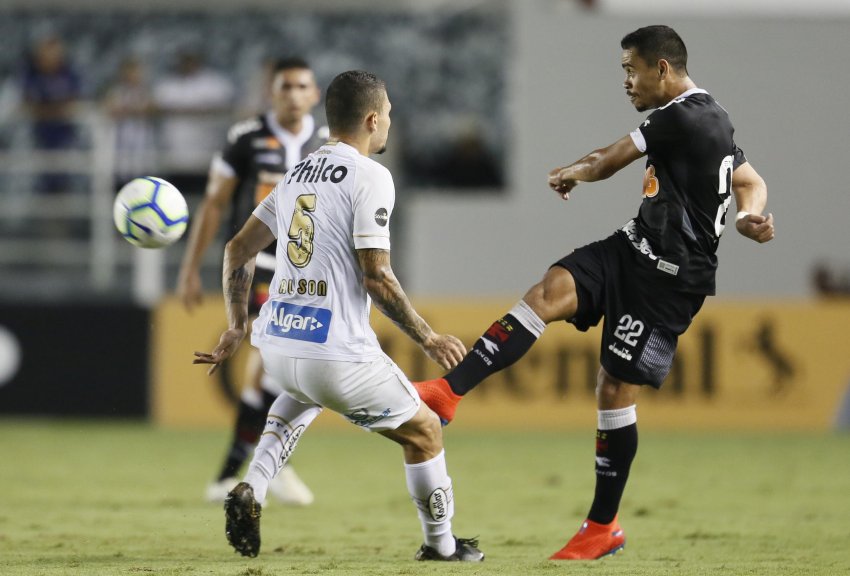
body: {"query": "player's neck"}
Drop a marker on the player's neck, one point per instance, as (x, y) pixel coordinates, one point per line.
(359, 143)
(679, 87)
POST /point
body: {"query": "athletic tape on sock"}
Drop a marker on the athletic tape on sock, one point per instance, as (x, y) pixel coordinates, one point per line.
(620, 418)
(528, 318)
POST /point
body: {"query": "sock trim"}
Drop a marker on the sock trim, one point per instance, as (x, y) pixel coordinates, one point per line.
(439, 456)
(528, 318)
(620, 418)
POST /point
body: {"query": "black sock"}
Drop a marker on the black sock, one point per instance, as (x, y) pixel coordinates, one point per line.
(615, 450)
(250, 423)
(505, 342)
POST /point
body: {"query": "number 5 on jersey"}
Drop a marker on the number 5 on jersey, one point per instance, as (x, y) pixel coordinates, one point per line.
(301, 230)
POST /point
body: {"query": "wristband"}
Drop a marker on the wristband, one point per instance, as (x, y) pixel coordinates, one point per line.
(741, 215)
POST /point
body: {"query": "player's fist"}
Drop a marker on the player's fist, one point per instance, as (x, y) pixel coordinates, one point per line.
(445, 350)
(561, 183)
(756, 227)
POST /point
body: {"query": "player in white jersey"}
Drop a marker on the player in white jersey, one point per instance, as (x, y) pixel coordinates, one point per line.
(330, 217)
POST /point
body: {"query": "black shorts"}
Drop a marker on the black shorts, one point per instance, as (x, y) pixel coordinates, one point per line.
(643, 318)
(259, 290)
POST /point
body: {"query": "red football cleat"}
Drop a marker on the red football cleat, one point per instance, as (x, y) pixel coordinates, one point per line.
(593, 541)
(439, 397)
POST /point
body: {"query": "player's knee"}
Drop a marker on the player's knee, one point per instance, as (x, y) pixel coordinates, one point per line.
(429, 437)
(613, 393)
(554, 297)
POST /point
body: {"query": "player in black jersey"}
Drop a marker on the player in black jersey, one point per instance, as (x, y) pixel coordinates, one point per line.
(648, 279)
(255, 158)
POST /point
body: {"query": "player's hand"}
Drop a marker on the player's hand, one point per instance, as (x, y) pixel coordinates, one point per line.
(227, 346)
(189, 288)
(561, 183)
(756, 227)
(445, 350)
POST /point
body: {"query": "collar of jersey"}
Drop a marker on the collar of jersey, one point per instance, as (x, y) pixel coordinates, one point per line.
(342, 147)
(286, 137)
(690, 92)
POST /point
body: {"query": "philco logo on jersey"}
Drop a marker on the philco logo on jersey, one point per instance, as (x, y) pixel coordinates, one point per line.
(306, 171)
(299, 322)
(381, 217)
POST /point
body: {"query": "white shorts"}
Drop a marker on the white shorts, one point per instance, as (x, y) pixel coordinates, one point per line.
(374, 395)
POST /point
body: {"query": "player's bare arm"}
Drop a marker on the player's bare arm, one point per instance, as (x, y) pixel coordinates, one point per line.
(598, 165)
(205, 225)
(750, 193)
(239, 257)
(389, 297)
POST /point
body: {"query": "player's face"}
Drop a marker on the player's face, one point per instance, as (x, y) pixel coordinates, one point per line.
(379, 138)
(294, 94)
(642, 83)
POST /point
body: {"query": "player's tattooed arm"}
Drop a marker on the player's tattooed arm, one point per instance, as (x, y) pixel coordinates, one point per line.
(387, 294)
(389, 297)
(239, 257)
(237, 284)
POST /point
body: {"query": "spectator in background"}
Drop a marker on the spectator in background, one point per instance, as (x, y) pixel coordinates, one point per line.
(50, 90)
(195, 106)
(130, 103)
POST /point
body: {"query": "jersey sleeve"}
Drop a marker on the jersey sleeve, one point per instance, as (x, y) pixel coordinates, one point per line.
(659, 129)
(266, 210)
(235, 156)
(374, 198)
(739, 157)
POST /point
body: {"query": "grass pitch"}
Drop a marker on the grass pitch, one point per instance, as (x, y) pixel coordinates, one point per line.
(116, 498)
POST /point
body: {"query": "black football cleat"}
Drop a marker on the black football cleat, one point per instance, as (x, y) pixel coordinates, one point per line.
(466, 551)
(242, 520)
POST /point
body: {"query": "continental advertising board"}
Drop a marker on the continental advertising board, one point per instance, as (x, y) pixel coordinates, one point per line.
(742, 365)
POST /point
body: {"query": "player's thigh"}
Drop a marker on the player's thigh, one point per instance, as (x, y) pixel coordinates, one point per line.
(422, 435)
(554, 297)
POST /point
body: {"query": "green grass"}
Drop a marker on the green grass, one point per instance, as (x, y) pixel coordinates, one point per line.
(93, 498)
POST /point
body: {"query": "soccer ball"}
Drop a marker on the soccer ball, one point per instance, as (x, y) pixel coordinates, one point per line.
(149, 212)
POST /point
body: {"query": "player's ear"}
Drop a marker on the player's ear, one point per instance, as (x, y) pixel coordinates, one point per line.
(663, 69)
(372, 122)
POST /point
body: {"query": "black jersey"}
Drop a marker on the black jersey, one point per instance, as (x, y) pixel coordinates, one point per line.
(259, 152)
(687, 189)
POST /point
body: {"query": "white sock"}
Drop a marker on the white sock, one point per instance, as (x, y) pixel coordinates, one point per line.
(431, 489)
(287, 420)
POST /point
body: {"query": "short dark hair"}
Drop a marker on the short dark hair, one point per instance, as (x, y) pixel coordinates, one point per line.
(290, 63)
(350, 97)
(653, 43)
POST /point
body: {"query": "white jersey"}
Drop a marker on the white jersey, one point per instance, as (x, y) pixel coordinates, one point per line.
(330, 204)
